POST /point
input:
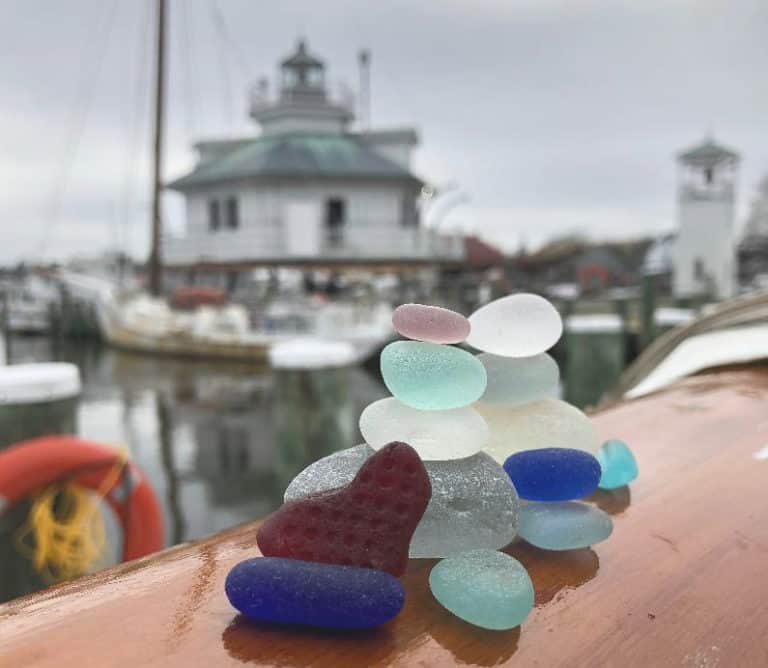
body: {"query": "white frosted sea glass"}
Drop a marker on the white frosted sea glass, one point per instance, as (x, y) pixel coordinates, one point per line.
(519, 325)
(546, 423)
(447, 434)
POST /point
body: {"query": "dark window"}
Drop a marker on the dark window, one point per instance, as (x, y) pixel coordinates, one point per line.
(214, 214)
(233, 213)
(708, 176)
(334, 221)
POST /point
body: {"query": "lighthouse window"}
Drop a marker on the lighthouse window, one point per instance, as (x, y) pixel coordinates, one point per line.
(233, 213)
(334, 221)
(214, 215)
(708, 176)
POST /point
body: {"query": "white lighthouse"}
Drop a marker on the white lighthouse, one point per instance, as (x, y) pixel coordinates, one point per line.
(705, 253)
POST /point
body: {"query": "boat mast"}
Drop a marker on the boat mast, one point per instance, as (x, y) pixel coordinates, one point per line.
(155, 256)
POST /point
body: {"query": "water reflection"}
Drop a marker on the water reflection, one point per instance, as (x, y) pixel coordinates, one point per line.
(218, 441)
(553, 572)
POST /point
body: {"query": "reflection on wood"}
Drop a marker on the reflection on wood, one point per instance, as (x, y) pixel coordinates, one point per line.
(680, 582)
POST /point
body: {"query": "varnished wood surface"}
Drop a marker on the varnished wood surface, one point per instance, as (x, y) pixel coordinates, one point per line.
(683, 581)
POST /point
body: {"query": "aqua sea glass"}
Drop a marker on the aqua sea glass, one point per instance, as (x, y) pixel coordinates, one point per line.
(517, 380)
(429, 376)
(566, 525)
(473, 503)
(519, 325)
(448, 434)
(483, 587)
(547, 423)
(618, 464)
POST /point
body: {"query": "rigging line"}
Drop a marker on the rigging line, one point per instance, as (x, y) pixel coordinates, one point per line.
(139, 96)
(86, 90)
(239, 56)
(190, 91)
(221, 53)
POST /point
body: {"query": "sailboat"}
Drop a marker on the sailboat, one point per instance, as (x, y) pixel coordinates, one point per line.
(141, 319)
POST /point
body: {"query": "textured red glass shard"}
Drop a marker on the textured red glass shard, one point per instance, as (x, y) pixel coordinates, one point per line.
(368, 523)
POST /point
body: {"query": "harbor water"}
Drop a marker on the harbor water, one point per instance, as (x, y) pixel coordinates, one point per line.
(219, 442)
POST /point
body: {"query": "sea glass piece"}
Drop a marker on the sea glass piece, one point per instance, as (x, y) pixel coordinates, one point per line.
(289, 591)
(430, 323)
(545, 423)
(483, 587)
(618, 464)
(520, 325)
(553, 474)
(518, 380)
(563, 525)
(473, 503)
(448, 434)
(429, 376)
(367, 523)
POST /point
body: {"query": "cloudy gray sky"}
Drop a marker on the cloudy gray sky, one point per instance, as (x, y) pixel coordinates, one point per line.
(553, 115)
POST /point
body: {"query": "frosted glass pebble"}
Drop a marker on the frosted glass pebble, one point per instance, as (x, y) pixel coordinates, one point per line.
(553, 474)
(429, 376)
(430, 323)
(517, 380)
(485, 588)
(519, 325)
(473, 503)
(618, 464)
(449, 434)
(566, 525)
(545, 423)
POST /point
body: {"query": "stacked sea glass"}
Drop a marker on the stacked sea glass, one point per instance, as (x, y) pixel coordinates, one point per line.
(447, 459)
(433, 384)
(546, 445)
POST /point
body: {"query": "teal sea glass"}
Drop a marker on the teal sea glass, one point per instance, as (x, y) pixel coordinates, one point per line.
(617, 463)
(483, 587)
(429, 376)
(567, 525)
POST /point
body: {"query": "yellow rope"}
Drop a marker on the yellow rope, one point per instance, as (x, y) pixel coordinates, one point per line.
(64, 532)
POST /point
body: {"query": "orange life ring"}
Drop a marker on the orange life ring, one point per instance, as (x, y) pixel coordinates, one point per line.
(34, 464)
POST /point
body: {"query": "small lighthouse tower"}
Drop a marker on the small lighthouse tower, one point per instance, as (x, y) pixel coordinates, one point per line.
(705, 256)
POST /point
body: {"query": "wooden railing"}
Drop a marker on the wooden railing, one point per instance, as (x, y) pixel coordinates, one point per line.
(681, 582)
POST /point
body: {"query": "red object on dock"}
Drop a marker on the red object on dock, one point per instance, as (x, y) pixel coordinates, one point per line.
(31, 465)
(188, 299)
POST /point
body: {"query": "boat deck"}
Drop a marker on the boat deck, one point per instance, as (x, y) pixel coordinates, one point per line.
(682, 581)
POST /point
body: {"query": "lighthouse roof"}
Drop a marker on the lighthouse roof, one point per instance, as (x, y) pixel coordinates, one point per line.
(297, 155)
(301, 57)
(707, 154)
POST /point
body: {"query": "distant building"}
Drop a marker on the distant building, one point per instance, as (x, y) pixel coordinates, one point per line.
(705, 250)
(307, 190)
(753, 248)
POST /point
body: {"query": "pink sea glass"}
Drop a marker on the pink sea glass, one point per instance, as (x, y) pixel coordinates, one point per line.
(430, 323)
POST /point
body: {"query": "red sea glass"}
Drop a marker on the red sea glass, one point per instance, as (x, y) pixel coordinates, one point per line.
(368, 523)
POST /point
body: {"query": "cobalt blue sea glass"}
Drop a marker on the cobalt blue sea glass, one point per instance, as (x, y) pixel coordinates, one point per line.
(618, 464)
(289, 591)
(553, 474)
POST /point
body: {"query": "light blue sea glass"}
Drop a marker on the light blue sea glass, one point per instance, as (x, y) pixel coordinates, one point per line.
(518, 380)
(566, 525)
(429, 376)
(618, 464)
(483, 587)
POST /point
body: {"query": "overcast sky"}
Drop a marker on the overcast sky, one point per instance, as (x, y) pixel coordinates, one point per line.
(553, 116)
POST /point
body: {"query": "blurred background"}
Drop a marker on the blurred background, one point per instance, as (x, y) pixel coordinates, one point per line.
(211, 207)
